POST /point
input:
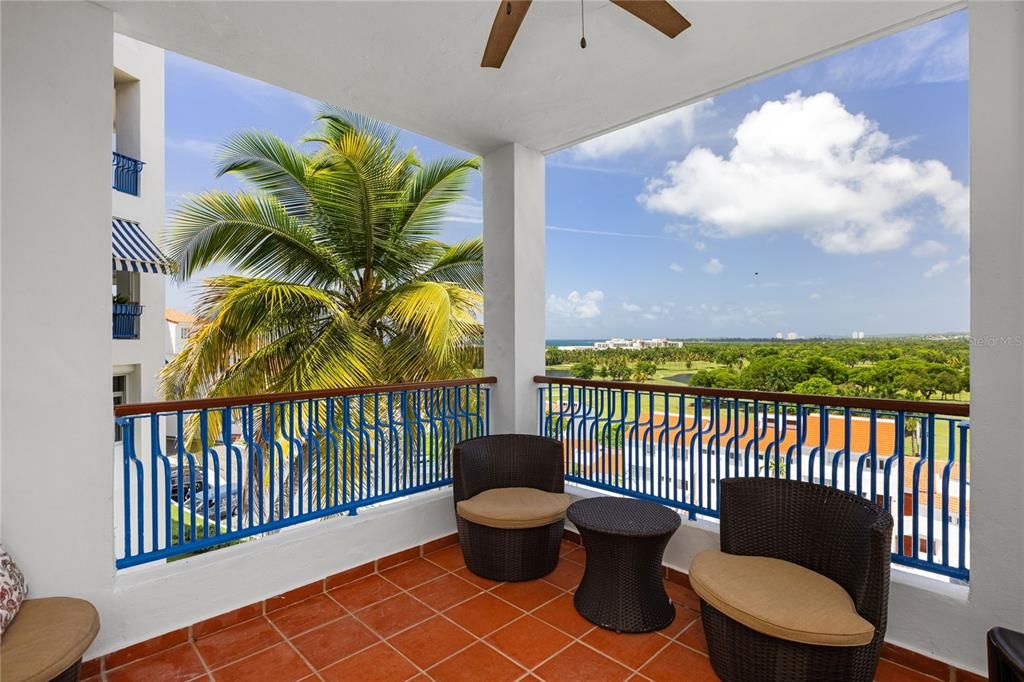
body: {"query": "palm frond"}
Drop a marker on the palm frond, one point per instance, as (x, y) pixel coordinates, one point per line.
(461, 263)
(432, 192)
(270, 164)
(253, 232)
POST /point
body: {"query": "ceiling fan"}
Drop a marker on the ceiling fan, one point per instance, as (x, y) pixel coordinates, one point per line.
(658, 13)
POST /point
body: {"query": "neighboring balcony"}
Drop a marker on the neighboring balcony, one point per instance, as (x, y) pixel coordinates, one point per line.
(126, 320)
(126, 174)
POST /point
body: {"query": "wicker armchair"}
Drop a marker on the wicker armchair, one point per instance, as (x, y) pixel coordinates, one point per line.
(526, 548)
(832, 533)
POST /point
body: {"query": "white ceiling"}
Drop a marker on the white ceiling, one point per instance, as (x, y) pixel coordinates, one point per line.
(415, 64)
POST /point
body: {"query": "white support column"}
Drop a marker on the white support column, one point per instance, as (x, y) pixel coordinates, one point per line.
(997, 312)
(514, 265)
(56, 436)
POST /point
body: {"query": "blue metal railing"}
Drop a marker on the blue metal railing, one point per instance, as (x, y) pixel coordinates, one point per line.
(126, 320)
(126, 174)
(674, 445)
(204, 473)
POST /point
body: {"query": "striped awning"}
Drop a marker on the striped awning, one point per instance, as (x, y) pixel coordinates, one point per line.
(134, 251)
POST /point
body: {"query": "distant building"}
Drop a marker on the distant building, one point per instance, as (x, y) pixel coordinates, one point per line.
(792, 336)
(179, 327)
(138, 267)
(857, 335)
(636, 344)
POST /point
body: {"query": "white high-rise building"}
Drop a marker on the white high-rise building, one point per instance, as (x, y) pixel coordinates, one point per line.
(139, 269)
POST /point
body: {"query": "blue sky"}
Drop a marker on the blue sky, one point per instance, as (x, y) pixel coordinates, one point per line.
(828, 199)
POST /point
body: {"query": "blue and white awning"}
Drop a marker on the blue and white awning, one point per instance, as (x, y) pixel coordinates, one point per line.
(134, 251)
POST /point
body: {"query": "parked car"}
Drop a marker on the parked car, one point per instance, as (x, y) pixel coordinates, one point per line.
(207, 494)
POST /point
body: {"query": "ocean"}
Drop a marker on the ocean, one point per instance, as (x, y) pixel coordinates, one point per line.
(572, 342)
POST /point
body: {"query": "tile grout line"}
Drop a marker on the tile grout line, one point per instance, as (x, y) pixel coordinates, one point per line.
(482, 640)
(408, 591)
(288, 641)
(443, 614)
(402, 590)
(192, 643)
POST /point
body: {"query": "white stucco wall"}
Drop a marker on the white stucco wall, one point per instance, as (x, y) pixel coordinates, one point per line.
(55, 292)
(151, 600)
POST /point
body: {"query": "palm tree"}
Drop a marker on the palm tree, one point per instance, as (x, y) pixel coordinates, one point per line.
(342, 281)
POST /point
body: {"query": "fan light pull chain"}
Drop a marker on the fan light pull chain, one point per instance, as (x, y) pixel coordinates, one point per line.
(583, 29)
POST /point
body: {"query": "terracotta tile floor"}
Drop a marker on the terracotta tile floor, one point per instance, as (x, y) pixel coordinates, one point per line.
(428, 619)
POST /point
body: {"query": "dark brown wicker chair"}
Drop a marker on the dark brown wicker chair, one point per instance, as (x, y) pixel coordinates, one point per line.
(836, 534)
(507, 461)
(1005, 655)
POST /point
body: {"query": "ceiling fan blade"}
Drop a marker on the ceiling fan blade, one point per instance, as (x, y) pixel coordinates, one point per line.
(658, 13)
(503, 31)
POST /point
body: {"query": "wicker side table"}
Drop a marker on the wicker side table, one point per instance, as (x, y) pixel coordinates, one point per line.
(622, 588)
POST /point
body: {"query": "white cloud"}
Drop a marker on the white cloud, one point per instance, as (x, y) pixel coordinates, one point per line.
(652, 312)
(700, 246)
(933, 52)
(808, 165)
(466, 210)
(929, 247)
(195, 146)
(760, 315)
(815, 296)
(655, 312)
(609, 233)
(943, 265)
(665, 129)
(937, 269)
(675, 267)
(576, 305)
(713, 266)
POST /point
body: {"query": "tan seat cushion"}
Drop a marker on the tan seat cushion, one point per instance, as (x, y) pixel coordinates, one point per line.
(46, 637)
(779, 599)
(514, 508)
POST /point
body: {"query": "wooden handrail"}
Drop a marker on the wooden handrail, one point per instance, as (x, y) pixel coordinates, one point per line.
(213, 403)
(919, 406)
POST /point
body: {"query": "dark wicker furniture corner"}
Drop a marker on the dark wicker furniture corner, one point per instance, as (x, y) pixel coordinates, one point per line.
(623, 587)
(836, 534)
(507, 461)
(1005, 655)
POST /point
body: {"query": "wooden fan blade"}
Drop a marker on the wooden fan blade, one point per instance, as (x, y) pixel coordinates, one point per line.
(503, 31)
(658, 13)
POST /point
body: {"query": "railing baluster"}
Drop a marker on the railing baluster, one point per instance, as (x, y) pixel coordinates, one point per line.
(126, 174)
(338, 461)
(686, 451)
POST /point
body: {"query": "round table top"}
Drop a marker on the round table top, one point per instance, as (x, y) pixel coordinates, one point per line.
(623, 516)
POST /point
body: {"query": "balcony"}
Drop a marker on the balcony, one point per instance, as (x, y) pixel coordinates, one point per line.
(241, 471)
(951, 584)
(126, 174)
(126, 318)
